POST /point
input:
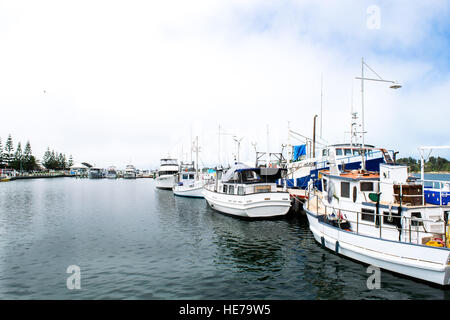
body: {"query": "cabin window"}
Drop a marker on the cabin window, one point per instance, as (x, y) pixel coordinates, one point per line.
(339, 152)
(324, 152)
(367, 215)
(348, 152)
(356, 152)
(355, 193)
(191, 176)
(416, 215)
(394, 219)
(231, 190)
(241, 191)
(225, 188)
(324, 182)
(366, 186)
(369, 153)
(345, 189)
(185, 176)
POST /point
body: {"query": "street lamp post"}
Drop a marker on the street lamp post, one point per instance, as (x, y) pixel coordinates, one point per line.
(394, 85)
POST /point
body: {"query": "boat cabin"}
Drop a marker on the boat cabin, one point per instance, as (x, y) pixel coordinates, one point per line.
(241, 180)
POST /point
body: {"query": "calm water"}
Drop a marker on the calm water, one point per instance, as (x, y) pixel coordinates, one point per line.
(133, 241)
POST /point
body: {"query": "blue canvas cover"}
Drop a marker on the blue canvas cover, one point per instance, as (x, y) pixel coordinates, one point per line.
(298, 152)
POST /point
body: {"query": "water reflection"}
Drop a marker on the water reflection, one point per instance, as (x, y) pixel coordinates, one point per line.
(132, 240)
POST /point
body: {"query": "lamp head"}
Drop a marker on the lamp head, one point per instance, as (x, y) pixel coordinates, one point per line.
(395, 85)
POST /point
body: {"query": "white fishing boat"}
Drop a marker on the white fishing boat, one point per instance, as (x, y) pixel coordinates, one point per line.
(111, 173)
(130, 172)
(166, 174)
(247, 192)
(188, 182)
(382, 219)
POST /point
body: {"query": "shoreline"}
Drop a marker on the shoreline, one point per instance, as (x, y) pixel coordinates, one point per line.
(433, 172)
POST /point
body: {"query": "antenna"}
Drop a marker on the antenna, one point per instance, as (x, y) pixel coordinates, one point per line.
(238, 142)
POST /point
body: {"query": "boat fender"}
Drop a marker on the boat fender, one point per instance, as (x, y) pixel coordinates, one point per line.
(322, 241)
(337, 247)
(435, 242)
(330, 192)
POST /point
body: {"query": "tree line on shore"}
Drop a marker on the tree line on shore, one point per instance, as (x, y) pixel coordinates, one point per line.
(432, 165)
(24, 160)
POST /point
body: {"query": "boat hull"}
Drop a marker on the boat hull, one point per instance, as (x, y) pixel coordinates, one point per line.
(165, 182)
(191, 191)
(416, 261)
(259, 205)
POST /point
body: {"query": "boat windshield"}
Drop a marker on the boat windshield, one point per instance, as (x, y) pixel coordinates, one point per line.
(172, 162)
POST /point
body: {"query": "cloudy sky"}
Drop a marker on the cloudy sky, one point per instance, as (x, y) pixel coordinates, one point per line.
(117, 82)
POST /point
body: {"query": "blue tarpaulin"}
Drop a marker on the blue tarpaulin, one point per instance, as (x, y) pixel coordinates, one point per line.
(298, 152)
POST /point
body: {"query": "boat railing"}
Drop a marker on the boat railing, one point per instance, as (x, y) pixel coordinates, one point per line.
(413, 224)
(237, 191)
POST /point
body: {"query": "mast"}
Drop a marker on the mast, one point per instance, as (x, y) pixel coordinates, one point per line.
(363, 164)
(267, 152)
(321, 98)
(196, 156)
(219, 145)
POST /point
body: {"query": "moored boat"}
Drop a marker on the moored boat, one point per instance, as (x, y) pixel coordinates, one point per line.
(130, 172)
(166, 174)
(111, 173)
(95, 173)
(382, 219)
(247, 192)
(187, 182)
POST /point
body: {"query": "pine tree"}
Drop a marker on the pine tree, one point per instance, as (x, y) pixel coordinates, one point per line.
(28, 164)
(17, 160)
(70, 163)
(53, 162)
(9, 150)
(46, 159)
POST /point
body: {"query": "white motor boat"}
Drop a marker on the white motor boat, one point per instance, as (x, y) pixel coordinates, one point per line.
(247, 192)
(188, 183)
(111, 173)
(130, 172)
(166, 174)
(382, 219)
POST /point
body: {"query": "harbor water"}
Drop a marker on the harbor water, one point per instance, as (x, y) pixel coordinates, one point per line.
(133, 241)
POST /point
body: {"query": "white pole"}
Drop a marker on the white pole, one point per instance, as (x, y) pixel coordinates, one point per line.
(363, 164)
(196, 156)
(219, 145)
(267, 153)
(321, 98)
(289, 142)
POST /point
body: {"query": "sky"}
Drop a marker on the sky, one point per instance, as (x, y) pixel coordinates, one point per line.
(119, 82)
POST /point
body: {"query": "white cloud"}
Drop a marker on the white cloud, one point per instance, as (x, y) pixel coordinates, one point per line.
(128, 81)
